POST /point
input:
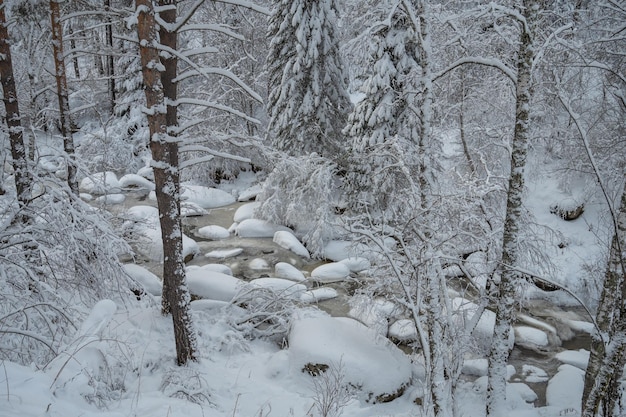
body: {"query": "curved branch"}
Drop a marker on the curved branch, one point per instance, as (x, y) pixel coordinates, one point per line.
(488, 62)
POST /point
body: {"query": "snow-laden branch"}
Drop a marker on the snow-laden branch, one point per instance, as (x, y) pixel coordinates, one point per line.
(199, 71)
(199, 51)
(32, 335)
(225, 155)
(213, 28)
(488, 62)
(205, 72)
(216, 106)
(248, 5)
(553, 35)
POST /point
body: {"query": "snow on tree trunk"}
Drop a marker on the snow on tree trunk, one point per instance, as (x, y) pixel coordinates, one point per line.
(110, 60)
(164, 149)
(22, 175)
(307, 101)
(606, 360)
(509, 277)
(62, 94)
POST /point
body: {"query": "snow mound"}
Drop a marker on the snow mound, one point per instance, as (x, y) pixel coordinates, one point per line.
(475, 367)
(578, 358)
(213, 232)
(258, 264)
(213, 285)
(101, 183)
(110, 199)
(224, 269)
(191, 209)
(281, 287)
(250, 193)
(258, 228)
(224, 253)
(205, 197)
(565, 389)
(366, 360)
(146, 172)
(331, 272)
(403, 331)
(150, 282)
(318, 294)
(136, 181)
(374, 313)
(530, 337)
(245, 212)
(464, 310)
(534, 374)
(288, 271)
(288, 241)
(99, 317)
(356, 264)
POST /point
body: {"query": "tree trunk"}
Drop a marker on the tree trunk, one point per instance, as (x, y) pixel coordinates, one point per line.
(606, 360)
(509, 277)
(110, 61)
(74, 57)
(23, 179)
(166, 175)
(62, 94)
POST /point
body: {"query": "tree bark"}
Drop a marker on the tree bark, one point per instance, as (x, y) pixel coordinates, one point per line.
(62, 94)
(509, 276)
(166, 175)
(110, 60)
(23, 178)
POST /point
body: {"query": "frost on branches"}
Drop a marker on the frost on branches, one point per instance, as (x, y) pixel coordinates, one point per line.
(307, 102)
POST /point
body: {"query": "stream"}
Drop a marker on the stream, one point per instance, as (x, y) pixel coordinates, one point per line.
(247, 266)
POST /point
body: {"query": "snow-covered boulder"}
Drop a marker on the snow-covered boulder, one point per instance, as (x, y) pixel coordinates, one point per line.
(213, 232)
(403, 331)
(288, 241)
(318, 294)
(224, 253)
(356, 264)
(463, 312)
(146, 172)
(213, 285)
(337, 250)
(283, 288)
(365, 359)
(109, 199)
(533, 374)
(530, 337)
(374, 313)
(206, 197)
(150, 282)
(331, 272)
(191, 209)
(565, 389)
(258, 264)
(250, 193)
(246, 211)
(136, 181)
(101, 183)
(224, 269)
(258, 228)
(578, 358)
(288, 271)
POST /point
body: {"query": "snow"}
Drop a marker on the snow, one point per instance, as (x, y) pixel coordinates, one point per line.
(258, 264)
(331, 272)
(213, 232)
(578, 358)
(288, 241)
(150, 282)
(367, 360)
(110, 199)
(464, 313)
(246, 211)
(224, 269)
(281, 287)
(530, 336)
(356, 264)
(101, 183)
(533, 374)
(288, 271)
(213, 285)
(191, 209)
(204, 197)
(565, 389)
(476, 367)
(403, 330)
(258, 228)
(318, 294)
(224, 253)
(250, 193)
(136, 181)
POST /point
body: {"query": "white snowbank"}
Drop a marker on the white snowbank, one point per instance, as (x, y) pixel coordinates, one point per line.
(288, 271)
(565, 389)
(578, 358)
(99, 317)
(101, 183)
(150, 282)
(135, 180)
(367, 360)
(258, 228)
(213, 232)
(288, 241)
(475, 367)
(246, 211)
(213, 285)
(281, 287)
(205, 197)
(331, 272)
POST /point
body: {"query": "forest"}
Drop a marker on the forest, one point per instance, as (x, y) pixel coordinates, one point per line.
(313, 208)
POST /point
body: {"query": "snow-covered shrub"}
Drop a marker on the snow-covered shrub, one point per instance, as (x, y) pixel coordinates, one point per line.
(302, 193)
(52, 267)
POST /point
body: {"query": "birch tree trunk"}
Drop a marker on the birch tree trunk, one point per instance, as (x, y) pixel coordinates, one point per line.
(606, 360)
(166, 175)
(23, 179)
(110, 61)
(509, 277)
(62, 94)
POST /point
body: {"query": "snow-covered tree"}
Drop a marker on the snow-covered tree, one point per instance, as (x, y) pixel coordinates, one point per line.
(307, 102)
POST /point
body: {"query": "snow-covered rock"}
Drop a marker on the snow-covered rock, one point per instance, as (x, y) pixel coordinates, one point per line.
(288, 271)
(258, 264)
(288, 241)
(109, 199)
(146, 172)
(374, 313)
(530, 337)
(565, 389)
(318, 294)
(281, 287)
(224, 253)
(101, 183)
(356, 264)
(150, 282)
(533, 374)
(403, 331)
(578, 358)
(246, 211)
(475, 367)
(213, 285)
(213, 232)
(206, 197)
(366, 360)
(250, 193)
(331, 272)
(258, 228)
(191, 209)
(136, 181)
(338, 250)
(463, 312)
(224, 269)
